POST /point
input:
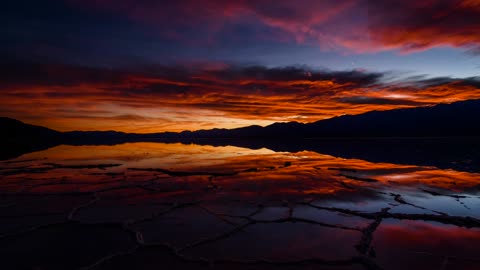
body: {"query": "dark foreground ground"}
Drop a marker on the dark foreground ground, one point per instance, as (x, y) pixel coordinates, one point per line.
(177, 206)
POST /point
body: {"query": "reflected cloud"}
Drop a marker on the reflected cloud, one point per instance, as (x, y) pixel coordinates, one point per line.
(250, 171)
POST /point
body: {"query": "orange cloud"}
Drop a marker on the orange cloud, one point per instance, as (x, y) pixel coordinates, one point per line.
(180, 98)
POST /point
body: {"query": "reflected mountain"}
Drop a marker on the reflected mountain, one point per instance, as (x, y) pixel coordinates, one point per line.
(443, 136)
(111, 200)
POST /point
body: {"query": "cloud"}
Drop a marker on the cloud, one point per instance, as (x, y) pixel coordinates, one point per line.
(380, 101)
(419, 25)
(157, 98)
(17, 71)
(353, 26)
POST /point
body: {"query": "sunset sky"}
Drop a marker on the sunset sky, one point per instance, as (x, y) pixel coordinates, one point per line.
(150, 66)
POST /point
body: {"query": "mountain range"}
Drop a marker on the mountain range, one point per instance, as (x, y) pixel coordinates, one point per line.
(442, 120)
(403, 136)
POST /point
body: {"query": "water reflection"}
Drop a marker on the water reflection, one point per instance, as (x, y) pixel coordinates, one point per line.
(239, 206)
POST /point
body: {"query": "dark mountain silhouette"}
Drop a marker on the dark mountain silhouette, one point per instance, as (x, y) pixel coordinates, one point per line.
(17, 138)
(456, 119)
(351, 136)
(14, 129)
(443, 120)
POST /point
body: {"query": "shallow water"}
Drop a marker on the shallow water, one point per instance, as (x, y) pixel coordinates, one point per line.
(188, 206)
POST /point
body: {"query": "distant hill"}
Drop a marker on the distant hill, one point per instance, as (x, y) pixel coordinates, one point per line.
(14, 130)
(350, 136)
(443, 120)
(455, 119)
(17, 138)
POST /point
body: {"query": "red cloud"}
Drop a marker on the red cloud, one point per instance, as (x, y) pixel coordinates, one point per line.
(178, 98)
(358, 26)
(418, 25)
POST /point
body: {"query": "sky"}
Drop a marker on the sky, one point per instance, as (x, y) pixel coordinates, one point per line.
(151, 66)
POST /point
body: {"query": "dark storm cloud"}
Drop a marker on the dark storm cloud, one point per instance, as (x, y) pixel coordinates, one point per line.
(298, 73)
(176, 78)
(380, 101)
(421, 81)
(472, 81)
(23, 72)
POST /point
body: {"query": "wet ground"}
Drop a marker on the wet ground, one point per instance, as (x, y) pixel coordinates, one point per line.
(177, 206)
